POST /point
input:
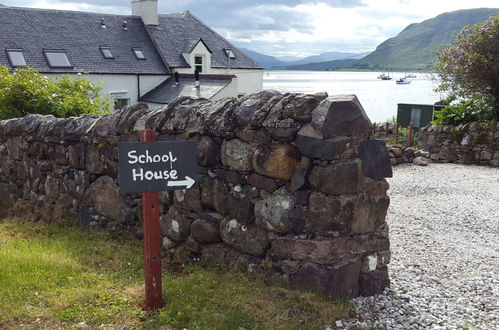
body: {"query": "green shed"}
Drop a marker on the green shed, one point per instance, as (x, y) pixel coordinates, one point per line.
(419, 115)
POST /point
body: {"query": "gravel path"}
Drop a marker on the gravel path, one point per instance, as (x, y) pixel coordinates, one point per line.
(444, 235)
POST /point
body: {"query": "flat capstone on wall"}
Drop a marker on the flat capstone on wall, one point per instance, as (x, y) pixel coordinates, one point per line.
(289, 185)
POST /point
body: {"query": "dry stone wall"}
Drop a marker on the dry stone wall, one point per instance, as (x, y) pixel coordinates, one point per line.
(473, 143)
(289, 185)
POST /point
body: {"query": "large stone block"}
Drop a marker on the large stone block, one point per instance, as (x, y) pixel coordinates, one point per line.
(318, 251)
(208, 151)
(205, 231)
(311, 144)
(214, 194)
(104, 195)
(237, 155)
(276, 160)
(249, 239)
(375, 159)
(337, 179)
(241, 208)
(329, 215)
(341, 115)
(338, 280)
(273, 212)
(262, 182)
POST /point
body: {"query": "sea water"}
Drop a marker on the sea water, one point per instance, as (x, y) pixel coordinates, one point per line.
(378, 97)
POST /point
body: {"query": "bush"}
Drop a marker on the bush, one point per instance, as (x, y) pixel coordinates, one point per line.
(26, 91)
(469, 67)
(463, 112)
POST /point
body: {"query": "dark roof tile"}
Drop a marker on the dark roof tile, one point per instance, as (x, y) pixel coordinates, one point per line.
(81, 35)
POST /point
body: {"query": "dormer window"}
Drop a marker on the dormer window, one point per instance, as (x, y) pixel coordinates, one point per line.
(138, 53)
(198, 63)
(106, 52)
(57, 59)
(16, 57)
(230, 53)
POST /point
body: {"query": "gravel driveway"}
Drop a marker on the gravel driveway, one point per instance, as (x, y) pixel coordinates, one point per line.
(444, 235)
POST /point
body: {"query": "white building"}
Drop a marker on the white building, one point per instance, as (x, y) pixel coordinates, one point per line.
(136, 57)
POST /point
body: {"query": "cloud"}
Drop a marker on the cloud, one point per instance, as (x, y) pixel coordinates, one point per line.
(290, 27)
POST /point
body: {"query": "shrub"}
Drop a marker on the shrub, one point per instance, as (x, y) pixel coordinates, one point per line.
(469, 68)
(463, 112)
(26, 91)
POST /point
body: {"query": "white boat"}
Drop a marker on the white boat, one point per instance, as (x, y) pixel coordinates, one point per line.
(402, 81)
(410, 75)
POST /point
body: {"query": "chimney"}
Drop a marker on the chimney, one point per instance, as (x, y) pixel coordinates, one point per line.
(147, 9)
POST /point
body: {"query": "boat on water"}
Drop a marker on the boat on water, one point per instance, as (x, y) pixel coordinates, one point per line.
(386, 78)
(402, 81)
(410, 75)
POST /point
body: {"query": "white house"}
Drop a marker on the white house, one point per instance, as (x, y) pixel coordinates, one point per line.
(136, 57)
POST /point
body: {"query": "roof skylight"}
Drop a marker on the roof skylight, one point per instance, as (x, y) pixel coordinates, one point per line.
(57, 59)
(106, 52)
(16, 57)
(138, 53)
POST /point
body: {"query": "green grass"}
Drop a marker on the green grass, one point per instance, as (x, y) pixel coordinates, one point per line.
(57, 276)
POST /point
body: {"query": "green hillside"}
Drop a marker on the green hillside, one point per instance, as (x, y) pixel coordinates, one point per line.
(414, 47)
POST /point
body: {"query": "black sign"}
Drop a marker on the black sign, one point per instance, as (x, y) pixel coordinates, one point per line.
(157, 166)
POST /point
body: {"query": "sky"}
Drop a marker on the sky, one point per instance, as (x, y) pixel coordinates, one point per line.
(295, 28)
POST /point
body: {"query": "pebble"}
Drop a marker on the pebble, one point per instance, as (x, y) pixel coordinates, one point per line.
(444, 236)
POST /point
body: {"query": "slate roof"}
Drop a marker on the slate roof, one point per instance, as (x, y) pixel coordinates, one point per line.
(81, 35)
(167, 91)
(175, 28)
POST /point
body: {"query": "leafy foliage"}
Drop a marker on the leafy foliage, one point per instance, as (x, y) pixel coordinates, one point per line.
(26, 91)
(469, 69)
(462, 112)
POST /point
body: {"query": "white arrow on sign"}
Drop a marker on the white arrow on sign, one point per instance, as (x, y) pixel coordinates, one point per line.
(188, 182)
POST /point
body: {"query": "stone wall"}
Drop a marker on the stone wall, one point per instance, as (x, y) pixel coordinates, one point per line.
(289, 185)
(474, 143)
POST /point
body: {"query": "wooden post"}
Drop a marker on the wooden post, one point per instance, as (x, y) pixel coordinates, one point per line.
(386, 130)
(409, 138)
(152, 240)
(396, 131)
(374, 130)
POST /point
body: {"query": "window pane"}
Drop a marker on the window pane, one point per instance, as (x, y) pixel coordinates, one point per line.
(138, 54)
(16, 58)
(198, 60)
(106, 52)
(57, 59)
(199, 68)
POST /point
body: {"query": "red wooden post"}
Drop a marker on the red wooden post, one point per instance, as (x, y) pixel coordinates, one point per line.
(396, 131)
(386, 130)
(409, 138)
(152, 240)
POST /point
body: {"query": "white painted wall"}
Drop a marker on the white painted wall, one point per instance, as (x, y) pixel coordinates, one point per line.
(123, 85)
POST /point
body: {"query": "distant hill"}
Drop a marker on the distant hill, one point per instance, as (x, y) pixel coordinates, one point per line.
(265, 61)
(321, 66)
(268, 61)
(326, 57)
(414, 47)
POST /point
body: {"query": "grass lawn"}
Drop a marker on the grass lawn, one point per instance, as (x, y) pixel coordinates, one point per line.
(59, 276)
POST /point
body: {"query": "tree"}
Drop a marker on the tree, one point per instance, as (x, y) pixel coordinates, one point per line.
(469, 67)
(26, 91)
